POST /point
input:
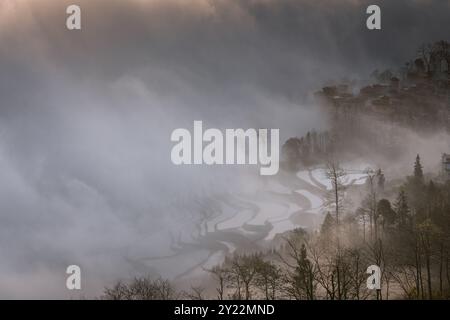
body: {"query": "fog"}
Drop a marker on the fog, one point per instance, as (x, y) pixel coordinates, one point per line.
(86, 116)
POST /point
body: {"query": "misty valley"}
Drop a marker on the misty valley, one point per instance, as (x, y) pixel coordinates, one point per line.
(225, 150)
(352, 196)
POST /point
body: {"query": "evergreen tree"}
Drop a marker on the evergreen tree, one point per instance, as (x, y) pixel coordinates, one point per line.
(327, 224)
(418, 173)
(380, 180)
(385, 211)
(401, 208)
(315, 149)
(291, 153)
(304, 276)
(416, 191)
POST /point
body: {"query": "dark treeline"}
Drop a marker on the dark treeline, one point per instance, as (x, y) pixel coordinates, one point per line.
(311, 149)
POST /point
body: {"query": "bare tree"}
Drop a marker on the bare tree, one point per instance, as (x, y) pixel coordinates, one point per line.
(196, 293)
(220, 274)
(301, 275)
(242, 273)
(335, 173)
(268, 278)
(143, 288)
(371, 204)
(424, 51)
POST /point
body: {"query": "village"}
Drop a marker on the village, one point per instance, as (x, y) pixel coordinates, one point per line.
(414, 97)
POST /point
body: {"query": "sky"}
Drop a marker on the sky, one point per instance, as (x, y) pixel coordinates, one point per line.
(86, 116)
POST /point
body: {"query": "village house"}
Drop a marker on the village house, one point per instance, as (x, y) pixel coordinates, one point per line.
(446, 165)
